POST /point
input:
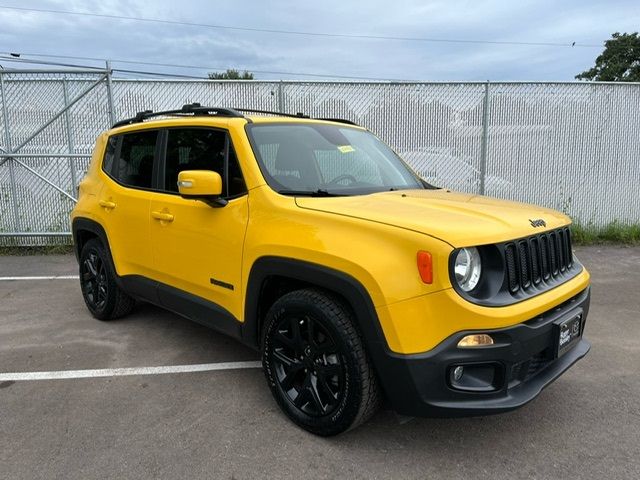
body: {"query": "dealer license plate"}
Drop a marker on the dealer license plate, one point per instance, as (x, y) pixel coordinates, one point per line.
(568, 334)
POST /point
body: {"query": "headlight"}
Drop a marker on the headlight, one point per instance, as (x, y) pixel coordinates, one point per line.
(467, 268)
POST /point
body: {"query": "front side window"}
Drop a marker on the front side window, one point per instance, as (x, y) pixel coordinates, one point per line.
(202, 149)
(327, 159)
(134, 162)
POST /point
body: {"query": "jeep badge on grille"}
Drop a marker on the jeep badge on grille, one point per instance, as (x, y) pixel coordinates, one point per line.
(537, 222)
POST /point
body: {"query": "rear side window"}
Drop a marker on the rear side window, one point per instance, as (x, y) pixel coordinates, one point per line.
(134, 162)
(202, 149)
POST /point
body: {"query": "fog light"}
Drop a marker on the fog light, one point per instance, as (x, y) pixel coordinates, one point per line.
(477, 340)
(477, 377)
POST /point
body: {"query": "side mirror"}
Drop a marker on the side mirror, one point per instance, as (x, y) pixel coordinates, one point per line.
(202, 185)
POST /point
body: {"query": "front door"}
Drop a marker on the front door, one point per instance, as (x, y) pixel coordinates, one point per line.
(197, 248)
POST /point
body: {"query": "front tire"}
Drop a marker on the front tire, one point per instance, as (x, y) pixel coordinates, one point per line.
(104, 299)
(316, 364)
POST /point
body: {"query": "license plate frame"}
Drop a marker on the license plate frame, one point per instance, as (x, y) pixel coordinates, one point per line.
(568, 332)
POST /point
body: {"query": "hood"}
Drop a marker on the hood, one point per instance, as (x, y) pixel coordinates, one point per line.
(459, 219)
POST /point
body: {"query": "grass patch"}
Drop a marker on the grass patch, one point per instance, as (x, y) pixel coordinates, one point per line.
(612, 233)
(44, 250)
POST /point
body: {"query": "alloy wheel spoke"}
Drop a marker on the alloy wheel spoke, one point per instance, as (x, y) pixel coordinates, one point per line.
(289, 378)
(315, 397)
(102, 292)
(311, 331)
(90, 264)
(326, 389)
(285, 360)
(302, 398)
(283, 340)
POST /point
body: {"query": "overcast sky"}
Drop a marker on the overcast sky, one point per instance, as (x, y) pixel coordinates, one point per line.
(540, 21)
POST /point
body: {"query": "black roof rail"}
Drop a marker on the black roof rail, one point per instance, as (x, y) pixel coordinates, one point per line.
(339, 120)
(297, 115)
(197, 109)
(188, 109)
(280, 114)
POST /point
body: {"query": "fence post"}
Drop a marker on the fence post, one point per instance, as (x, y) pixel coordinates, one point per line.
(112, 113)
(280, 97)
(67, 116)
(7, 142)
(485, 138)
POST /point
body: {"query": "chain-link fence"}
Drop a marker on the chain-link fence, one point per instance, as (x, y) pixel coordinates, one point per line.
(569, 146)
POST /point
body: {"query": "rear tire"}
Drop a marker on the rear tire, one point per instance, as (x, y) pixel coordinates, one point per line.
(104, 298)
(316, 364)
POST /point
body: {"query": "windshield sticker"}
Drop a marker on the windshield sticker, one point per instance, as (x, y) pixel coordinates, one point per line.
(346, 148)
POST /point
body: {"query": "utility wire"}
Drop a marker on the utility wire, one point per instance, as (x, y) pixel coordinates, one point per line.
(8, 57)
(97, 69)
(301, 33)
(42, 62)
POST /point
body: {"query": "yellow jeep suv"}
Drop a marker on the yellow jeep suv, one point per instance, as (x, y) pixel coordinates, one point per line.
(313, 242)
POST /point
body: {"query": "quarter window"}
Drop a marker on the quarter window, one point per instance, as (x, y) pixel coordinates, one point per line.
(235, 180)
(109, 154)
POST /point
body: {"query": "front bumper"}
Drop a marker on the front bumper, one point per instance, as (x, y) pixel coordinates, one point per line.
(523, 359)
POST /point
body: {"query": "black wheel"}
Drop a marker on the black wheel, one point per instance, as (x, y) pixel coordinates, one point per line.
(316, 364)
(105, 300)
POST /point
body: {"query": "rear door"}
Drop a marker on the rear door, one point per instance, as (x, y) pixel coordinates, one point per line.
(129, 164)
(197, 248)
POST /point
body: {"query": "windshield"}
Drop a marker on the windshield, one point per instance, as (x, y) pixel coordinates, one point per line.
(326, 160)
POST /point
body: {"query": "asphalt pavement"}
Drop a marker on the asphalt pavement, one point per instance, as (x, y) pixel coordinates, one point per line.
(225, 425)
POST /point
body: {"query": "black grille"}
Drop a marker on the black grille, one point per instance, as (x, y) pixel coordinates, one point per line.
(535, 261)
(561, 252)
(553, 253)
(523, 253)
(543, 257)
(512, 274)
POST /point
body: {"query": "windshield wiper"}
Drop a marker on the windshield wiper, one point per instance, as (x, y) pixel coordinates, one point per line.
(309, 193)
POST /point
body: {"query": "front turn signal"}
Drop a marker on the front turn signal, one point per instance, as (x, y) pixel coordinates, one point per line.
(425, 266)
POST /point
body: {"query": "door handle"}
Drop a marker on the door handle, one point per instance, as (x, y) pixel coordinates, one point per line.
(108, 204)
(162, 216)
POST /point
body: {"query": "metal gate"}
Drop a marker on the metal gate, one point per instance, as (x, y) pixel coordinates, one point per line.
(49, 124)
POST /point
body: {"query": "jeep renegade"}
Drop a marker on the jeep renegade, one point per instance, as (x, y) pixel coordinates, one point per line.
(313, 242)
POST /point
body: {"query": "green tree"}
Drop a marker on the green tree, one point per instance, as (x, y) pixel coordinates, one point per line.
(620, 61)
(231, 74)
